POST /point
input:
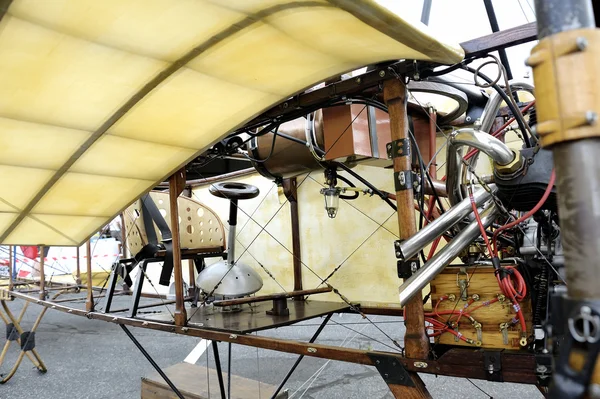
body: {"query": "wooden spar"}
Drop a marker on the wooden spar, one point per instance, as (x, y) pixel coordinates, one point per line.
(89, 302)
(176, 186)
(78, 270)
(432, 142)
(123, 236)
(191, 267)
(42, 275)
(466, 363)
(415, 341)
(290, 190)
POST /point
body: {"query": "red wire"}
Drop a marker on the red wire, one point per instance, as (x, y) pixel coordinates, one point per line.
(481, 226)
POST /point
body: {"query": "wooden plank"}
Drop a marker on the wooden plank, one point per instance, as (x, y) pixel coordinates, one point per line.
(503, 39)
(290, 190)
(193, 381)
(176, 186)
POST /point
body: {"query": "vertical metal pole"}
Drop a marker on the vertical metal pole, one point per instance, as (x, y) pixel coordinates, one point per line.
(78, 271)
(577, 165)
(415, 340)
(42, 275)
(489, 8)
(176, 186)
(10, 269)
(229, 370)
(218, 367)
(89, 302)
(426, 12)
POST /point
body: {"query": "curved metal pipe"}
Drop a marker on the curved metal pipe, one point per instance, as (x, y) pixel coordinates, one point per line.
(469, 137)
(433, 230)
(435, 265)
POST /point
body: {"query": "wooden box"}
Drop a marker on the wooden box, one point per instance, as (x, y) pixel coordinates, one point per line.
(482, 281)
(191, 380)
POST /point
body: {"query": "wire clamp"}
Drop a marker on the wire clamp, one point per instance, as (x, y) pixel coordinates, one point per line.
(403, 180)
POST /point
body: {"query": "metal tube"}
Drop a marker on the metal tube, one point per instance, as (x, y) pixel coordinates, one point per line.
(415, 284)
(219, 371)
(152, 362)
(289, 374)
(556, 16)
(433, 230)
(469, 137)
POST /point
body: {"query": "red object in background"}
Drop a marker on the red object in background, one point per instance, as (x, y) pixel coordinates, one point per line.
(30, 252)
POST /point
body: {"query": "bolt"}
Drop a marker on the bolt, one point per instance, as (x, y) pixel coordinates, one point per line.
(397, 244)
(491, 369)
(398, 254)
(475, 297)
(541, 369)
(420, 365)
(377, 362)
(358, 80)
(285, 105)
(581, 43)
(386, 376)
(381, 74)
(591, 117)
(468, 119)
(312, 350)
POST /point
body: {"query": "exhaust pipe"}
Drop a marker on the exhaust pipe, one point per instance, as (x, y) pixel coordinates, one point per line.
(445, 222)
(468, 137)
(433, 267)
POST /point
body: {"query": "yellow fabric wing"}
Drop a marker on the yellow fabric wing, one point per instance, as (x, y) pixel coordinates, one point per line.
(100, 100)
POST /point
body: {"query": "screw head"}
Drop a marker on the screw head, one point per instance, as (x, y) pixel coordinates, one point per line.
(381, 74)
(581, 43)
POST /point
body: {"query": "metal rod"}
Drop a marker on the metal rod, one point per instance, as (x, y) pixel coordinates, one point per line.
(426, 12)
(229, 370)
(152, 362)
(89, 303)
(489, 9)
(218, 367)
(10, 269)
(233, 204)
(42, 275)
(411, 247)
(415, 284)
(297, 362)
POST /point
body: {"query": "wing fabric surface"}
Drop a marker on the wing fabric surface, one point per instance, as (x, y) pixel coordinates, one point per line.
(100, 100)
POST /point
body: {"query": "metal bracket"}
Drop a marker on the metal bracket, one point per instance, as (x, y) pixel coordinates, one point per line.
(391, 369)
(463, 283)
(543, 368)
(493, 365)
(27, 341)
(11, 332)
(404, 179)
(398, 148)
(408, 267)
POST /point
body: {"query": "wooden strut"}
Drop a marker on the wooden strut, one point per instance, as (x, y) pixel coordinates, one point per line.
(290, 189)
(176, 186)
(78, 270)
(415, 340)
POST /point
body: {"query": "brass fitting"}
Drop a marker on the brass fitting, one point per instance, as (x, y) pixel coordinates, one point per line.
(512, 166)
(476, 324)
(475, 297)
(523, 341)
(452, 297)
(478, 343)
(501, 298)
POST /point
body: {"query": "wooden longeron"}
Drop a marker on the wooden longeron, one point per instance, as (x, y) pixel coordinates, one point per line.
(483, 283)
